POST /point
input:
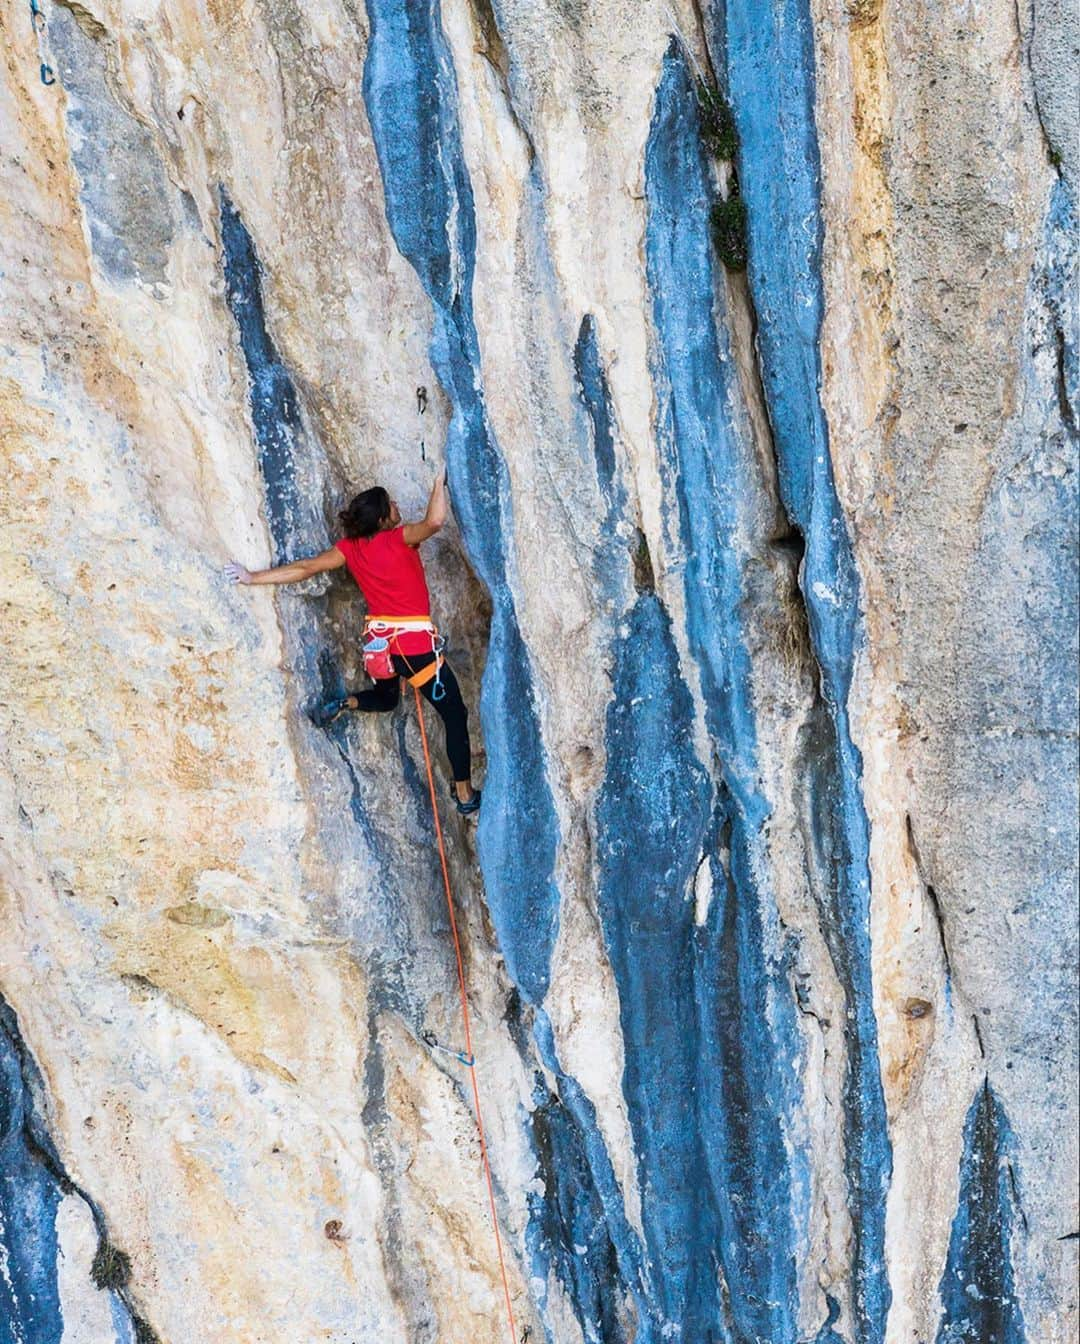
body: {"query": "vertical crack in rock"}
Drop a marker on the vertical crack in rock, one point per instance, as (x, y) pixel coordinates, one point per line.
(769, 59)
(411, 99)
(978, 1295)
(33, 1185)
(933, 900)
(596, 397)
(1059, 297)
(493, 49)
(411, 1285)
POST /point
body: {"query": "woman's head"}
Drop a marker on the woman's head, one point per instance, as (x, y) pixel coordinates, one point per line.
(369, 512)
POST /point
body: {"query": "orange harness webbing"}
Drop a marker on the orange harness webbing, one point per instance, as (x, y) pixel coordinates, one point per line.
(425, 674)
(465, 1016)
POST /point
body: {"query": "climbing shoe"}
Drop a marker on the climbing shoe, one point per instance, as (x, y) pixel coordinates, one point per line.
(330, 710)
(473, 805)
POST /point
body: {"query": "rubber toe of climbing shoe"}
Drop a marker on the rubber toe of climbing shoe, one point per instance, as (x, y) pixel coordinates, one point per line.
(473, 805)
(330, 710)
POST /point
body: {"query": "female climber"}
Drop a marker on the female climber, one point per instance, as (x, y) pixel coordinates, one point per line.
(399, 638)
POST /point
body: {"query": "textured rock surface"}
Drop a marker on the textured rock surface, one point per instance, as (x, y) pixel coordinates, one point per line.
(764, 585)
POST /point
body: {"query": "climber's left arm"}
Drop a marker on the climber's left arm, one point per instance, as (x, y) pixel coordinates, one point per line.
(437, 509)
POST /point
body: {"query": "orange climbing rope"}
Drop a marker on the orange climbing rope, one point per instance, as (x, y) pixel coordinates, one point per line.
(465, 1016)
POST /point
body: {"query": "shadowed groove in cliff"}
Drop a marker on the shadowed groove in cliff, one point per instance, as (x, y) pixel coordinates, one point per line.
(765, 56)
(132, 212)
(33, 1183)
(411, 99)
(977, 1290)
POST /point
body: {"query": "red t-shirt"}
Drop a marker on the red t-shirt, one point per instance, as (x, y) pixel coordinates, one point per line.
(391, 577)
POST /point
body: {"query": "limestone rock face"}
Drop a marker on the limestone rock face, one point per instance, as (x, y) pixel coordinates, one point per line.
(761, 586)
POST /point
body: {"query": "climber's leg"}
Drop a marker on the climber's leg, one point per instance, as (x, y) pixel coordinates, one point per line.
(380, 699)
(450, 707)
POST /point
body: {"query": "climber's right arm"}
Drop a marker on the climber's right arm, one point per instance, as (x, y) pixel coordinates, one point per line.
(294, 572)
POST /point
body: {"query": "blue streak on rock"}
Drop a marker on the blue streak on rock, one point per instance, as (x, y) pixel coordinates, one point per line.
(295, 521)
(827, 1335)
(699, 445)
(740, 1023)
(32, 1184)
(596, 397)
(567, 1226)
(625, 1243)
(768, 57)
(745, 1019)
(29, 1198)
(610, 563)
(652, 815)
(770, 75)
(978, 1292)
(411, 98)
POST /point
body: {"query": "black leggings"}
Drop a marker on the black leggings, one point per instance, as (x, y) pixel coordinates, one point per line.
(384, 696)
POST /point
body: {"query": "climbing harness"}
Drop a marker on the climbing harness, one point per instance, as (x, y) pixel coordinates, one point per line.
(467, 1057)
(380, 638)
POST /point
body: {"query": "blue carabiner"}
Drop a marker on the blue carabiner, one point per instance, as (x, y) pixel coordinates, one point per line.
(47, 76)
(428, 1037)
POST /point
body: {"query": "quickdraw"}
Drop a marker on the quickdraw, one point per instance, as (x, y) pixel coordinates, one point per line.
(429, 1040)
(37, 22)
